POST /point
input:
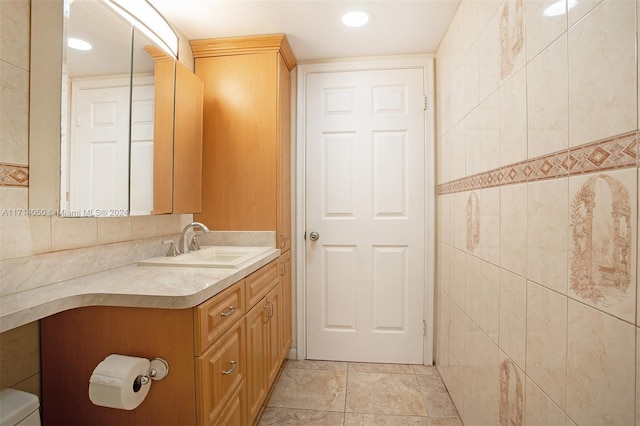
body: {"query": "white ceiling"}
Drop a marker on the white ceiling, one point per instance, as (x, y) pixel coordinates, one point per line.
(313, 27)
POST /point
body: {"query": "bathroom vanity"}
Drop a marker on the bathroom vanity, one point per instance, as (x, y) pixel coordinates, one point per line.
(224, 353)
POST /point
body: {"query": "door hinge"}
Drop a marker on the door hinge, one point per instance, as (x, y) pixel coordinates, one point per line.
(424, 98)
(424, 327)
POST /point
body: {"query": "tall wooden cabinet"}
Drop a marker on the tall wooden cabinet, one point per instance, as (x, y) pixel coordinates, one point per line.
(246, 177)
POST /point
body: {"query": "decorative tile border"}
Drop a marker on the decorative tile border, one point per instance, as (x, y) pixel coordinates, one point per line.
(14, 175)
(616, 152)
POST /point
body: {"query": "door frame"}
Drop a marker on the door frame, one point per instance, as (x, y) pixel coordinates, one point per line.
(426, 63)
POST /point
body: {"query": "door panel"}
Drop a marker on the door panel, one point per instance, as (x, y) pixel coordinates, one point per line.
(365, 194)
(101, 135)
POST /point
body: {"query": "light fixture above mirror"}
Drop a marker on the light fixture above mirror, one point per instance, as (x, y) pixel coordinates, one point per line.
(142, 15)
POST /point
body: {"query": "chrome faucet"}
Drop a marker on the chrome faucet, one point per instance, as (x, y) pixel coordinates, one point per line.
(183, 246)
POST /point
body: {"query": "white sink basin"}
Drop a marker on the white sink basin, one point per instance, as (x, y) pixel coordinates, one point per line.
(211, 257)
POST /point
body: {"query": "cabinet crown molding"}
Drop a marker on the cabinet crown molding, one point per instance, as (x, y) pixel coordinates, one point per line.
(205, 48)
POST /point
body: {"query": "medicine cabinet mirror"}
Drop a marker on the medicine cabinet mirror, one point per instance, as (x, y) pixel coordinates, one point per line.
(109, 98)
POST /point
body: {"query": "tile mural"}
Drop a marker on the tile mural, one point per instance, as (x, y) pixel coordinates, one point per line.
(601, 267)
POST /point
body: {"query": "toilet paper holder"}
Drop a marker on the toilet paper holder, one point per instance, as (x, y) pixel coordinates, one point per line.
(158, 370)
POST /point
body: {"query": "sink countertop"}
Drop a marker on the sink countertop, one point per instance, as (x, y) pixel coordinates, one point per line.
(163, 287)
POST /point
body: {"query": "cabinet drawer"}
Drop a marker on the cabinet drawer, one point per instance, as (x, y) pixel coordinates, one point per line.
(217, 314)
(220, 375)
(260, 282)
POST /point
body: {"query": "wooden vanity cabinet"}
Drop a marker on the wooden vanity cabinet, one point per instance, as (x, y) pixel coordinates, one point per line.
(246, 134)
(224, 355)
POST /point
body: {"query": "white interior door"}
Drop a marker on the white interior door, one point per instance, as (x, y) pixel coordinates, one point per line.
(365, 192)
(99, 179)
(141, 185)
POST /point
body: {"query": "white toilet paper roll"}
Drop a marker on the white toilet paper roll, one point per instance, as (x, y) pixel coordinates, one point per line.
(113, 382)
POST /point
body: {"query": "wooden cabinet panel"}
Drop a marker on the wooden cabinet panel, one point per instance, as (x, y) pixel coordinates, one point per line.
(283, 189)
(220, 373)
(239, 181)
(274, 332)
(260, 282)
(187, 142)
(163, 131)
(285, 272)
(235, 413)
(217, 314)
(75, 341)
(256, 350)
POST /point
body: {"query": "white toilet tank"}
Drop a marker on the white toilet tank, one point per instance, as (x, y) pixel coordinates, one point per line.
(19, 408)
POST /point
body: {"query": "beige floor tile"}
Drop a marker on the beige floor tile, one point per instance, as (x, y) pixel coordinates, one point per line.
(446, 421)
(431, 382)
(369, 367)
(309, 364)
(384, 393)
(324, 393)
(357, 419)
(288, 416)
(310, 389)
(439, 404)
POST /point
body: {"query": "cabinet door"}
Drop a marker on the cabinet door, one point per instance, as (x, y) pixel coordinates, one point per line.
(274, 333)
(256, 349)
(239, 144)
(285, 272)
(187, 142)
(284, 157)
(220, 373)
(235, 413)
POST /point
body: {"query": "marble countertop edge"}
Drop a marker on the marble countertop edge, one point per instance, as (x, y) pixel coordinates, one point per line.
(160, 287)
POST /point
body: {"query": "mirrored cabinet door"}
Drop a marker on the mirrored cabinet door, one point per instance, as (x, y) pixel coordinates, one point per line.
(102, 116)
(95, 105)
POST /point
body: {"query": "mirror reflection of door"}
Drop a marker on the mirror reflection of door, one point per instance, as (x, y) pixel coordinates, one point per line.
(95, 120)
(99, 178)
(142, 127)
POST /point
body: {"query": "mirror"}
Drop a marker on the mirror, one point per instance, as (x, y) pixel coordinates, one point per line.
(140, 68)
(107, 138)
(95, 111)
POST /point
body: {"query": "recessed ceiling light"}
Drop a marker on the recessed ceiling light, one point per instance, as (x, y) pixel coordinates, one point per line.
(357, 18)
(76, 43)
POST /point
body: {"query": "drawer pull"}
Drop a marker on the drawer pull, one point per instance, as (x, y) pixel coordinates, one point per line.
(229, 371)
(231, 310)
